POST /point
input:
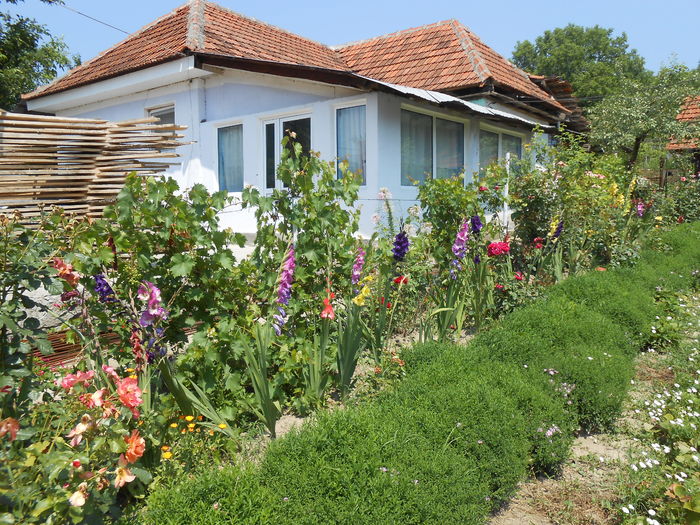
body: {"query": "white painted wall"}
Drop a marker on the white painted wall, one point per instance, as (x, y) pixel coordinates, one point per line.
(226, 97)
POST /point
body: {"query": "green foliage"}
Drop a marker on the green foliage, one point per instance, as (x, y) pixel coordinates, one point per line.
(644, 109)
(316, 211)
(445, 203)
(29, 57)
(591, 58)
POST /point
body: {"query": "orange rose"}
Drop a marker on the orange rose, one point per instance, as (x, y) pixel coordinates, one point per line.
(136, 446)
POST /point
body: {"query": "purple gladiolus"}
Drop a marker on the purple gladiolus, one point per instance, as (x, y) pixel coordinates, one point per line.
(103, 289)
(150, 293)
(459, 248)
(357, 267)
(284, 290)
(401, 244)
(477, 259)
(640, 209)
(560, 228)
(476, 224)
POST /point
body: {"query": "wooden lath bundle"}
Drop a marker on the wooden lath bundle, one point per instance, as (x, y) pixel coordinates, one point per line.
(75, 163)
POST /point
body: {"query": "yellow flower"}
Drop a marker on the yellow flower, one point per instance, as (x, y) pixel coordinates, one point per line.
(167, 455)
(173, 425)
(189, 418)
(359, 300)
(133, 377)
(191, 425)
(130, 370)
(659, 218)
(222, 425)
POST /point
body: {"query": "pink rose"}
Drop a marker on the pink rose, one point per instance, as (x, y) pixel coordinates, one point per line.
(130, 394)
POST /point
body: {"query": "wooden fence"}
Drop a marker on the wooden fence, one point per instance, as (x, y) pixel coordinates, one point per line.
(77, 164)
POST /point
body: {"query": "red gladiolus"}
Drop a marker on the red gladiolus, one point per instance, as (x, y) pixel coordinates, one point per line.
(327, 312)
(401, 279)
(518, 276)
(499, 287)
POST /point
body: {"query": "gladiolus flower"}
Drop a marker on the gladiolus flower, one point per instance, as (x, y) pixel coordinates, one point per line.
(129, 394)
(476, 224)
(9, 426)
(327, 312)
(357, 267)
(499, 287)
(401, 279)
(401, 244)
(65, 271)
(518, 276)
(360, 299)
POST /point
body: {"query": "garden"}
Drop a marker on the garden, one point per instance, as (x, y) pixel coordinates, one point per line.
(435, 364)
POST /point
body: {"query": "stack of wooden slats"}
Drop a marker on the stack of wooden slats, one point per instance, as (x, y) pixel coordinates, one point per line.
(75, 163)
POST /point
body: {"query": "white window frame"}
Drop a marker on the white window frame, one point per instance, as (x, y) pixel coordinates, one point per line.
(436, 114)
(344, 105)
(215, 140)
(278, 120)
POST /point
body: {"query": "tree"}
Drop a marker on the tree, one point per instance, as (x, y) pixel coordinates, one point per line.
(643, 110)
(29, 56)
(589, 57)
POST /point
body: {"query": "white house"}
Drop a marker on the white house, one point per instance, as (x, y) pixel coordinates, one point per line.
(430, 100)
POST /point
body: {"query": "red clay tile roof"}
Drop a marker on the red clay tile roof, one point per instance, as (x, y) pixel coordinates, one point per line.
(445, 56)
(197, 27)
(441, 57)
(690, 112)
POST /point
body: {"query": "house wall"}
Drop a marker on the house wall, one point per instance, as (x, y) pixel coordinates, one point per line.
(228, 97)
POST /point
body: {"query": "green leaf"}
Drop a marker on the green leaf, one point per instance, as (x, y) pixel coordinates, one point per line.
(182, 265)
(143, 475)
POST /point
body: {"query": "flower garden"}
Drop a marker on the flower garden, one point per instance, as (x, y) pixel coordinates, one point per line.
(438, 362)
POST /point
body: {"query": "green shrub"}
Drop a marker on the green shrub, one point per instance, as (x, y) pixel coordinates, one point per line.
(568, 341)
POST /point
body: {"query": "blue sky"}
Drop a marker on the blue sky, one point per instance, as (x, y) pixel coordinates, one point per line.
(661, 31)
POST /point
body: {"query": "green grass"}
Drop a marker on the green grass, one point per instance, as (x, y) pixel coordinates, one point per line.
(450, 443)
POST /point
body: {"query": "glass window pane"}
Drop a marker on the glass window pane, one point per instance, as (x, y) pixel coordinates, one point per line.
(488, 148)
(231, 158)
(449, 137)
(511, 145)
(270, 144)
(416, 147)
(302, 129)
(352, 146)
(166, 115)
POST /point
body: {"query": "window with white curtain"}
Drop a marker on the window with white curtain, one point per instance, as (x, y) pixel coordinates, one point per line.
(495, 145)
(230, 141)
(351, 139)
(430, 146)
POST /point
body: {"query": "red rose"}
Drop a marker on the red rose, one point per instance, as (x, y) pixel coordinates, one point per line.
(499, 287)
(483, 188)
(497, 248)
